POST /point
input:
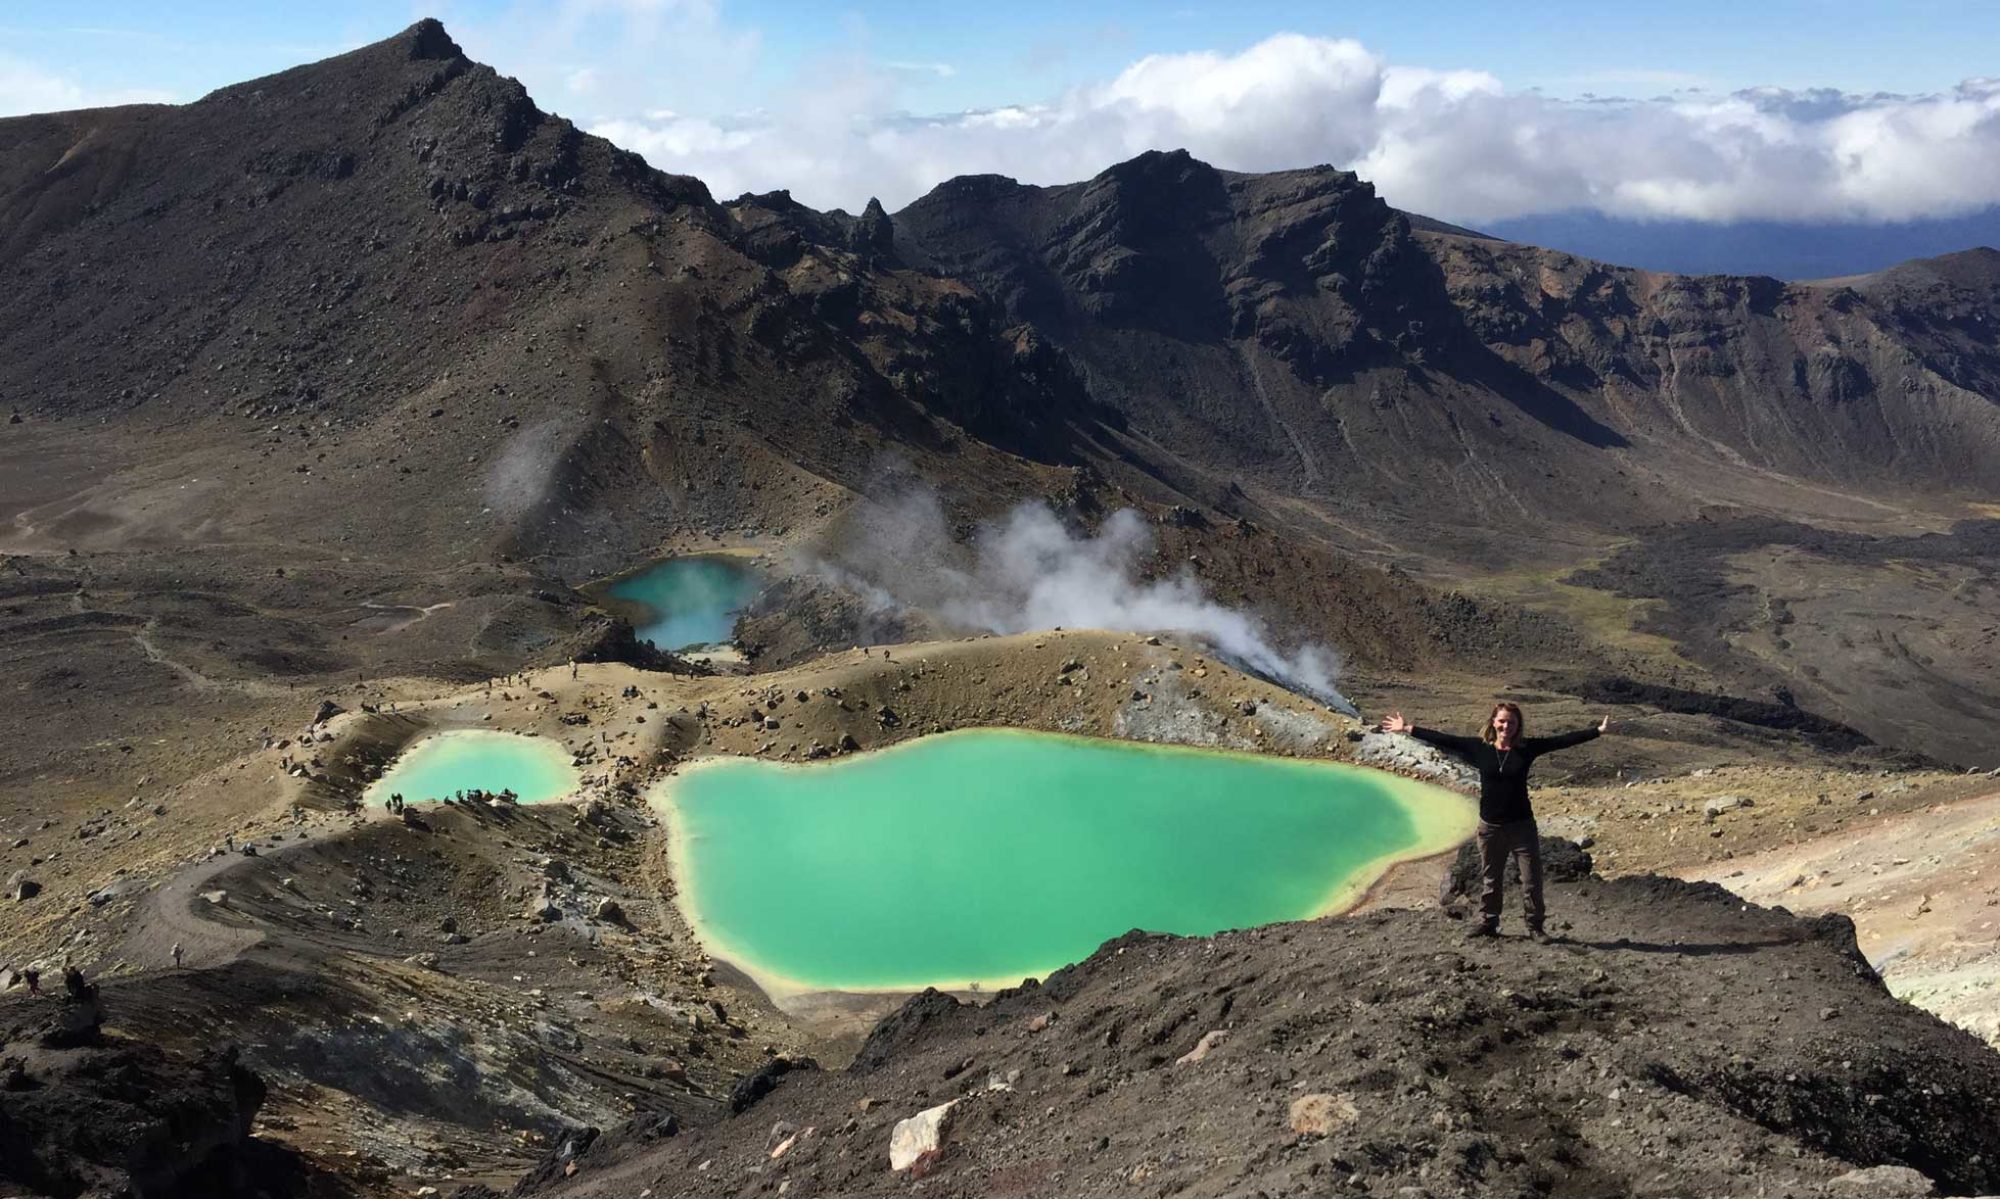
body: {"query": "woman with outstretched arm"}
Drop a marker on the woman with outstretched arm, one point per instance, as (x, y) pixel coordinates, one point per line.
(1502, 756)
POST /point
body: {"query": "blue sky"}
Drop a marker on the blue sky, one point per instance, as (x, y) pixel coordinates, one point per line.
(1006, 53)
(1467, 110)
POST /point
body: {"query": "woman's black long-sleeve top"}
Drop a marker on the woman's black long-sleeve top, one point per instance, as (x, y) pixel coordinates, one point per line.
(1503, 775)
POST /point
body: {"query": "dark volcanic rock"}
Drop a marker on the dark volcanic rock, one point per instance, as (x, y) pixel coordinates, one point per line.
(586, 1150)
(903, 1028)
(602, 637)
(128, 1118)
(1677, 1044)
(874, 235)
(560, 1161)
(78, 1016)
(751, 1090)
(1562, 862)
(1830, 735)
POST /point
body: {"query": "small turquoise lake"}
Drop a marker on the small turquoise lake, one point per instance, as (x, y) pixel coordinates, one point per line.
(444, 764)
(687, 603)
(986, 856)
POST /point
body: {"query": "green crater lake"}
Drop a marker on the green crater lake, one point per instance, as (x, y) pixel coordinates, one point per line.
(478, 760)
(987, 856)
(687, 603)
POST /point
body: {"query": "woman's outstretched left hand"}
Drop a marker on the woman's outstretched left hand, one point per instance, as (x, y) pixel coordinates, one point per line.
(1604, 725)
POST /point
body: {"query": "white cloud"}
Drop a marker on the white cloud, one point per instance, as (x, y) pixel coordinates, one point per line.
(620, 58)
(668, 78)
(26, 88)
(937, 70)
(1452, 144)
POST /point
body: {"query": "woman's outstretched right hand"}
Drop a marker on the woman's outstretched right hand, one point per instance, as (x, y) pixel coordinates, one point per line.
(1394, 723)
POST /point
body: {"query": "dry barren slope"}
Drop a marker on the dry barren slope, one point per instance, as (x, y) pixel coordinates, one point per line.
(1681, 1043)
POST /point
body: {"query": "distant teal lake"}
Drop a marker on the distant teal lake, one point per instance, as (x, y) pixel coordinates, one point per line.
(989, 855)
(444, 764)
(688, 603)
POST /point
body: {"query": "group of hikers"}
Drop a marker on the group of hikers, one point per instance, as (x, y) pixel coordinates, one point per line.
(395, 804)
(74, 985)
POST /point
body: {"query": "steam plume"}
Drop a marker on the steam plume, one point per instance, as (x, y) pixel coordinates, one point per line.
(1027, 571)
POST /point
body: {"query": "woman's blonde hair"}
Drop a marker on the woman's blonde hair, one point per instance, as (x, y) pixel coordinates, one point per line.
(1487, 734)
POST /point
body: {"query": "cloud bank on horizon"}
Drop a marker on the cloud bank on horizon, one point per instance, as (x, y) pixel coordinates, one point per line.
(1451, 144)
(1457, 145)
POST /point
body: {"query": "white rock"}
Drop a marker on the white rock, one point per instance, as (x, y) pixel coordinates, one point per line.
(1883, 1182)
(1209, 1042)
(1322, 1115)
(918, 1135)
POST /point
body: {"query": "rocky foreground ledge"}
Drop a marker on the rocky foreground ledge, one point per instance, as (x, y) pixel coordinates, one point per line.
(83, 1112)
(1677, 1042)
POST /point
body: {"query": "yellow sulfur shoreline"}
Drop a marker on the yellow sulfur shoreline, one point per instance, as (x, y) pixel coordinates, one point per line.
(1438, 828)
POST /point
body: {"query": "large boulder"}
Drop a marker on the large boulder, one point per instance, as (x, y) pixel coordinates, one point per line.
(919, 1136)
(1562, 862)
(1322, 1114)
(749, 1091)
(921, 1014)
(1883, 1182)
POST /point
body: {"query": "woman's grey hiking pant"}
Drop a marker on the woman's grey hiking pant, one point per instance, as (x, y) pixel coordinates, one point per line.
(1522, 841)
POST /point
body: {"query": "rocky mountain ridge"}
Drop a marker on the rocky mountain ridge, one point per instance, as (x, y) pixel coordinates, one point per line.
(1293, 327)
(386, 301)
(1287, 330)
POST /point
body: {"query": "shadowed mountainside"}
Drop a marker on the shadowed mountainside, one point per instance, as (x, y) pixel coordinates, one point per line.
(1294, 327)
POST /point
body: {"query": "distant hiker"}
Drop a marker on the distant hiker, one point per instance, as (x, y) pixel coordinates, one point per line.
(76, 990)
(178, 953)
(572, 668)
(1502, 756)
(34, 980)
